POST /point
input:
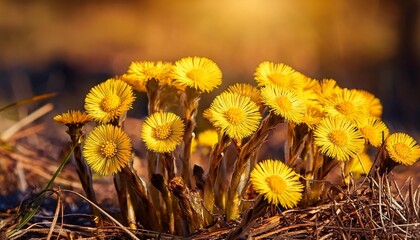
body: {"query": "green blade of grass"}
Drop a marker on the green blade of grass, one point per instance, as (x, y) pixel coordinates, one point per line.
(36, 203)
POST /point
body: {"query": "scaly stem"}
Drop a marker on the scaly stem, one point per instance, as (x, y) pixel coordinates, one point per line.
(192, 97)
(245, 154)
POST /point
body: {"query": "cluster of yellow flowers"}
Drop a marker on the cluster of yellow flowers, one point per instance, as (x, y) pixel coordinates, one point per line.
(327, 126)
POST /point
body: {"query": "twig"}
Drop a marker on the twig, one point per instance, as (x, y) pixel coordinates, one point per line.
(105, 213)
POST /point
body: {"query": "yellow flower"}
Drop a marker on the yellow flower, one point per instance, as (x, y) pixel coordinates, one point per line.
(402, 148)
(373, 130)
(285, 103)
(309, 93)
(247, 90)
(338, 138)
(162, 132)
(73, 117)
(133, 82)
(235, 115)
(197, 72)
(350, 104)
(327, 89)
(373, 103)
(268, 73)
(313, 116)
(193, 145)
(107, 149)
(277, 182)
(109, 100)
(144, 71)
(357, 167)
(208, 138)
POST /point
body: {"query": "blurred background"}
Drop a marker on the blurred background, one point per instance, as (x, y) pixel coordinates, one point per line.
(69, 46)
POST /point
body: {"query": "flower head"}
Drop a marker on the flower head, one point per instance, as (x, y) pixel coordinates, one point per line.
(107, 149)
(285, 103)
(350, 104)
(73, 117)
(208, 138)
(235, 115)
(373, 130)
(277, 182)
(402, 148)
(313, 116)
(144, 71)
(357, 166)
(328, 89)
(109, 100)
(338, 138)
(197, 72)
(162, 131)
(247, 90)
(268, 73)
(373, 103)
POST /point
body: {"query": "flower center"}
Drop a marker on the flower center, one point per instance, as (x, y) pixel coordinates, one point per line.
(402, 150)
(284, 103)
(196, 74)
(368, 132)
(338, 138)
(235, 116)
(345, 108)
(275, 77)
(108, 149)
(276, 184)
(163, 132)
(110, 103)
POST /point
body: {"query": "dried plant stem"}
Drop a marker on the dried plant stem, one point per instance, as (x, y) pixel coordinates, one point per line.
(192, 98)
(85, 176)
(152, 90)
(296, 141)
(213, 174)
(123, 199)
(245, 154)
(143, 208)
(168, 217)
(189, 202)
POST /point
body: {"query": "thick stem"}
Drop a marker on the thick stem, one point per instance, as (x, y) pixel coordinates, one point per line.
(192, 98)
(85, 176)
(245, 154)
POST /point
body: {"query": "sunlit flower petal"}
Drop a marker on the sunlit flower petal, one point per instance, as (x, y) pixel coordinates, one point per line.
(107, 149)
(277, 182)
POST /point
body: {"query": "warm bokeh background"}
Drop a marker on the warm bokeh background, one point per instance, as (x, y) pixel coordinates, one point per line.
(68, 46)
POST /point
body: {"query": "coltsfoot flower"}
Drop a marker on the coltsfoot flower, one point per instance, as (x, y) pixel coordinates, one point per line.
(109, 100)
(348, 103)
(373, 130)
(284, 102)
(338, 138)
(373, 103)
(107, 149)
(208, 138)
(402, 148)
(277, 182)
(235, 115)
(141, 72)
(358, 166)
(162, 132)
(247, 90)
(199, 73)
(73, 117)
(282, 75)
